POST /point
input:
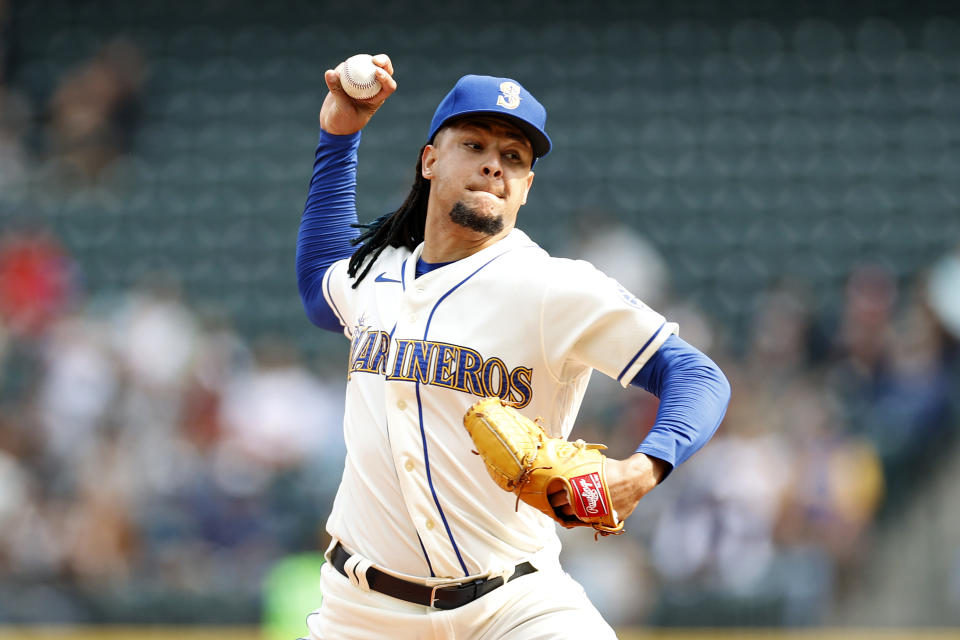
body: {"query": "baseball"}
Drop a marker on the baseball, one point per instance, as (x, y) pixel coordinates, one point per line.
(358, 77)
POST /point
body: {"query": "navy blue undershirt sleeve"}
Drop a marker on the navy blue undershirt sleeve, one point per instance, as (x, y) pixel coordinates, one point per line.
(694, 395)
(325, 231)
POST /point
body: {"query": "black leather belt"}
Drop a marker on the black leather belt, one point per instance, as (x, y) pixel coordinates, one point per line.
(442, 597)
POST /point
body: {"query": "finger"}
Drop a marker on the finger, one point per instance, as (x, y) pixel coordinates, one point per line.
(383, 61)
(387, 84)
(563, 507)
(559, 498)
(332, 78)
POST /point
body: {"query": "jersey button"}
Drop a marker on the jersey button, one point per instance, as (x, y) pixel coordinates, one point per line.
(401, 405)
(413, 317)
(429, 524)
(408, 465)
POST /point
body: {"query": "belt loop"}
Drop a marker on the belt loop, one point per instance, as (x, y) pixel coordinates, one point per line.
(328, 554)
(356, 568)
(476, 587)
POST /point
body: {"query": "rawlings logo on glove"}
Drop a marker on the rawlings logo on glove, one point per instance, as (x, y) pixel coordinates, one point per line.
(523, 459)
(588, 491)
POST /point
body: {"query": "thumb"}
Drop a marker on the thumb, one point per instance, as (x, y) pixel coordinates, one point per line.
(332, 78)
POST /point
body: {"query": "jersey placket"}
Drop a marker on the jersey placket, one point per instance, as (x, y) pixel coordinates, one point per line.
(405, 427)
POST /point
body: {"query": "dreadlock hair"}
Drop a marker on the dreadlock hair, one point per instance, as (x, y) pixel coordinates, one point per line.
(400, 228)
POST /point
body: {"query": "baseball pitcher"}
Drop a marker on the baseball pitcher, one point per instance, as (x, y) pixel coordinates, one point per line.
(470, 352)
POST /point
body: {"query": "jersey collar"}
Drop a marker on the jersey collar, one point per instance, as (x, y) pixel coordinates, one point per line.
(515, 239)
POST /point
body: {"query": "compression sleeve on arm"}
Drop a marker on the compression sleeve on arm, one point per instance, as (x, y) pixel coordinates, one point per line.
(325, 231)
(694, 395)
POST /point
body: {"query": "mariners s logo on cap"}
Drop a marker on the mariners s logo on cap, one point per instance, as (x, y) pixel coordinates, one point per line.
(509, 97)
(474, 95)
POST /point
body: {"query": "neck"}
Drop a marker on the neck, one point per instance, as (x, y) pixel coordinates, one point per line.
(446, 241)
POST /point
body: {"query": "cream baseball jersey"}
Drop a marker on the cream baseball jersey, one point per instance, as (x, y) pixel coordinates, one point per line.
(508, 321)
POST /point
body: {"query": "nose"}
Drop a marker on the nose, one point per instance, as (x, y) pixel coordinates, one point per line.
(491, 166)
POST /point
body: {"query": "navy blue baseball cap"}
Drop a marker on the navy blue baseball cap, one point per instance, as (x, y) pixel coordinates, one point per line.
(486, 95)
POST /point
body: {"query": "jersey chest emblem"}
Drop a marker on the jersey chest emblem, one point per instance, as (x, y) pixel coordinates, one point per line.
(439, 364)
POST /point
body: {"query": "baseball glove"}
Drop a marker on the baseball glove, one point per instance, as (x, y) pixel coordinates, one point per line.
(523, 459)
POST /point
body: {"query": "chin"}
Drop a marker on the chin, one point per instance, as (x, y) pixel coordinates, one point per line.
(477, 220)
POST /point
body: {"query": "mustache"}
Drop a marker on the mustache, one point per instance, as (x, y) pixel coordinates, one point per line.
(471, 219)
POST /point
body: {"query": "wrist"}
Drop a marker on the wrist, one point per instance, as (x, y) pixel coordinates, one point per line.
(343, 139)
(658, 467)
(647, 471)
(629, 480)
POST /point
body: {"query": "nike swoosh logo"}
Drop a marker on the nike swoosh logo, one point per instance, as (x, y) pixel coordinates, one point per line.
(381, 278)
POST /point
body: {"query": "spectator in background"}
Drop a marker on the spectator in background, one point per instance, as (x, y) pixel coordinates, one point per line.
(718, 535)
(913, 398)
(865, 327)
(37, 281)
(155, 338)
(77, 392)
(95, 111)
(890, 374)
(833, 489)
(782, 336)
(278, 416)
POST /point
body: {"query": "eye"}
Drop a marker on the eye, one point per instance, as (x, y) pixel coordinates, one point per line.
(472, 145)
(516, 157)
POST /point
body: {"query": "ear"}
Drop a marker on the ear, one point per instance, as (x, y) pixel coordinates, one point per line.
(427, 161)
(526, 191)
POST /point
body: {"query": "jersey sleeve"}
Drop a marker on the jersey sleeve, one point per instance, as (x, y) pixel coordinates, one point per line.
(337, 294)
(590, 320)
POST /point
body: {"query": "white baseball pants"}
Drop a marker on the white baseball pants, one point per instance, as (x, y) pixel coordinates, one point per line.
(546, 605)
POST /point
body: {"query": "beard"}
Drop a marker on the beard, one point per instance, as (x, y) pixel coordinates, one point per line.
(464, 216)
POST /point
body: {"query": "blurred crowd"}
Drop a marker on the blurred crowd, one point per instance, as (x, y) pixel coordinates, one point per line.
(153, 463)
(145, 449)
(836, 419)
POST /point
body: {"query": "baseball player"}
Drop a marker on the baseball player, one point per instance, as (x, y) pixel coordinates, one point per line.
(445, 302)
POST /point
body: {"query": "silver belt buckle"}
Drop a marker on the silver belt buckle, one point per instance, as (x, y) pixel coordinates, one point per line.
(433, 593)
(476, 583)
(444, 585)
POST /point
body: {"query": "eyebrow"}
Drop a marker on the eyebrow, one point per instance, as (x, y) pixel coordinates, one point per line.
(507, 130)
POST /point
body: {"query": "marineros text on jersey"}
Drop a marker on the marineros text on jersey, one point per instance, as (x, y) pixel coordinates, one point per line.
(441, 364)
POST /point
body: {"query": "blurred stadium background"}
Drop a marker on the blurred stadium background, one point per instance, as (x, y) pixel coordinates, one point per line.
(783, 179)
